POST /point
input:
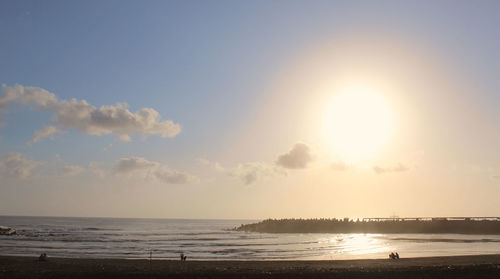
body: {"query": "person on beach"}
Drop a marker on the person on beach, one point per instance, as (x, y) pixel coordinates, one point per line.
(43, 257)
(394, 256)
(183, 258)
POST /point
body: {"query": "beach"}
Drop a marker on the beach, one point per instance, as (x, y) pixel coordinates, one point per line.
(479, 266)
(213, 240)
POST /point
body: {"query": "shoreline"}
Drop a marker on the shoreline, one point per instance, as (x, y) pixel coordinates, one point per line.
(480, 266)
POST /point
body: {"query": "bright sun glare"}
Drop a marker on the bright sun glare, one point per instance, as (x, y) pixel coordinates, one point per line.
(358, 123)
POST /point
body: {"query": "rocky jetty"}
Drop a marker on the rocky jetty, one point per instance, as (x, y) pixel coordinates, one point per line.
(463, 225)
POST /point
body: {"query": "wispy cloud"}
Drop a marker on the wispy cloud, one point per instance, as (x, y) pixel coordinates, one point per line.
(94, 167)
(247, 173)
(17, 166)
(71, 170)
(78, 114)
(140, 167)
(48, 131)
(298, 157)
(215, 165)
(250, 172)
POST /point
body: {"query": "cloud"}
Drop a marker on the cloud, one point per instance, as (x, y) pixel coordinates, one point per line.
(95, 169)
(140, 167)
(7, 96)
(248, 173)
(113, 119)
(297, 158)
(41, 98)
(398, 168)
(48, 131)
(169, 176)
(88, 119)
(15, 165)
(339, 166)
(214, 165)
(133, 164)
(71, 170)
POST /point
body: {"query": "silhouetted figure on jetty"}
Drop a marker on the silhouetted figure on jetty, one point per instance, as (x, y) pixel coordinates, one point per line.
(183, 258)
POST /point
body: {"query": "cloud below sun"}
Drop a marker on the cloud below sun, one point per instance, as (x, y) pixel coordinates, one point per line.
(145, 169)
(298, 157)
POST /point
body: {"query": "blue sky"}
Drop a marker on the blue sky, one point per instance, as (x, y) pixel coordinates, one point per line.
(213, 67)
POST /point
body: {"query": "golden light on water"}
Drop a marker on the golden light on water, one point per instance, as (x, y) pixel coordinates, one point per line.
(358, 245)
(358, 122)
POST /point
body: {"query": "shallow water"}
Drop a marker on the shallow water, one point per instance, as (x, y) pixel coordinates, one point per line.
(212, 240)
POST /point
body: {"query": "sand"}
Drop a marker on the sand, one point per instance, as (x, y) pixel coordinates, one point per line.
(484, 266)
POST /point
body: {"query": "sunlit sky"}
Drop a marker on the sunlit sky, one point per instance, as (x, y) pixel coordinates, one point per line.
(250, 109)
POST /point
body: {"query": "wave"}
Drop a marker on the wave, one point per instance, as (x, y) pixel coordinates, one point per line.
(101, 229)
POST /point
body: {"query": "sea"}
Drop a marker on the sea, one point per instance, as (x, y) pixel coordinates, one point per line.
(215, 240)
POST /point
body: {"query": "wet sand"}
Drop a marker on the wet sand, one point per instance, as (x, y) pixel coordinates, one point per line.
(484, 266)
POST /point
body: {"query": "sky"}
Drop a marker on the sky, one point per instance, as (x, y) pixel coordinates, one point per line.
(249, 109)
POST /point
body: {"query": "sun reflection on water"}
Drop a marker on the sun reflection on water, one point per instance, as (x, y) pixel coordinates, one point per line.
(359, 244)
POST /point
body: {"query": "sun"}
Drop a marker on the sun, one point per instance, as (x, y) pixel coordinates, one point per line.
(358, 123)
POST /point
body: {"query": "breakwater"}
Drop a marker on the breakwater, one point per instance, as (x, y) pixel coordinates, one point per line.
(458, 225)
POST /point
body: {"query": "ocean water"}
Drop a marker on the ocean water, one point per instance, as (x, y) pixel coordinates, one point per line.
(213, 240)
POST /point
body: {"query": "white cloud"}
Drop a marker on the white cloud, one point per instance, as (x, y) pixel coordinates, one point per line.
(253, 171)
(78, 114)
(39, 97)
(113, 119)
(398, 168)
(297, 158)
(140, 167)
(15, 165)
(71, 170)
(48, 131)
